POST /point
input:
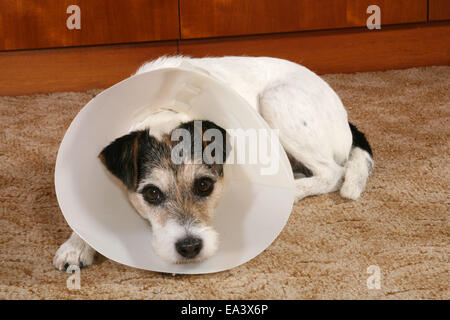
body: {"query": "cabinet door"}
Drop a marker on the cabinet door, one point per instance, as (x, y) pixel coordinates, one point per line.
(27, 24)
(214, 18)
(439, 10)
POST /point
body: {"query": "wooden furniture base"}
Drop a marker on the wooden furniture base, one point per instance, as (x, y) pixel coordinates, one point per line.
(344, 51)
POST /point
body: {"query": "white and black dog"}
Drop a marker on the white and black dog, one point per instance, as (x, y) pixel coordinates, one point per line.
(179, 199)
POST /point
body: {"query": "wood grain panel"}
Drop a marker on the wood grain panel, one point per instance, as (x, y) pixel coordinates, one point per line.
(74, 69)
(339, 51)
(439, 10)
(215, 18)
(26, 24)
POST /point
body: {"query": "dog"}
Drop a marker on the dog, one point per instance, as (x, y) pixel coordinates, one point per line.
(178, 200)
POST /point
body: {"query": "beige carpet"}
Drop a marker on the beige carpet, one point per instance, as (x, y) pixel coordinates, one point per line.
(400, 224)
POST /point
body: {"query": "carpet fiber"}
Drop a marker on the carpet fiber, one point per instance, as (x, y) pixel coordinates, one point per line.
(400, 224)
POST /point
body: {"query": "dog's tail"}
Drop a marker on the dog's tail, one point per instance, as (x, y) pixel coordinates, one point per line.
(358, 167)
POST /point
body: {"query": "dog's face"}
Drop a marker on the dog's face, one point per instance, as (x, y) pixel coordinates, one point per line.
(177, 198)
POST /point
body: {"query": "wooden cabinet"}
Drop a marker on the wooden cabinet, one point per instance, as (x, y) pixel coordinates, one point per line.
(26, 24)
(116, 36)
(216, 18)
(439, 10)
(32, 24)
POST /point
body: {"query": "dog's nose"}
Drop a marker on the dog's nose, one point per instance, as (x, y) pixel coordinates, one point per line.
(189, 247)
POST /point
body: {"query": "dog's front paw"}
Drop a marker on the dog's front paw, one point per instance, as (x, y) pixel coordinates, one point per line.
(352, 192)
(73, 252)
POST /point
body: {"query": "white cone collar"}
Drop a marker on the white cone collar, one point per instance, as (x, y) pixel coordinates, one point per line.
(254, 207)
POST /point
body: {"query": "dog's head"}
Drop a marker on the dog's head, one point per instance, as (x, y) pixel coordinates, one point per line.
(170, 184)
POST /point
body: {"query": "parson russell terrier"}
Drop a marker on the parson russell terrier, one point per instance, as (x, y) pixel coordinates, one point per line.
(179, 199)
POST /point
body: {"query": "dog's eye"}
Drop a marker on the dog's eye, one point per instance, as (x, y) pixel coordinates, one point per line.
(153, 195)
(203, 186)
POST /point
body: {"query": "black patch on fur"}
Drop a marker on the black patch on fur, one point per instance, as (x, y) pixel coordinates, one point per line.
(153, 153)
(125, 156)
(119, 157)
(359, 139)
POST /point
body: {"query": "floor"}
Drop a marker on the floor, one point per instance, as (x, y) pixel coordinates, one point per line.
(400, 225)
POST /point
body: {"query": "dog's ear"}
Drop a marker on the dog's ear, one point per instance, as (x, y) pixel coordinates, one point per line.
(208, 132)
(121, 157)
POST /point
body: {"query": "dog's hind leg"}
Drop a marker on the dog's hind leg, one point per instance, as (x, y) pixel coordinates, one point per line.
(73, 252)
(325, 180)
(303, 134)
